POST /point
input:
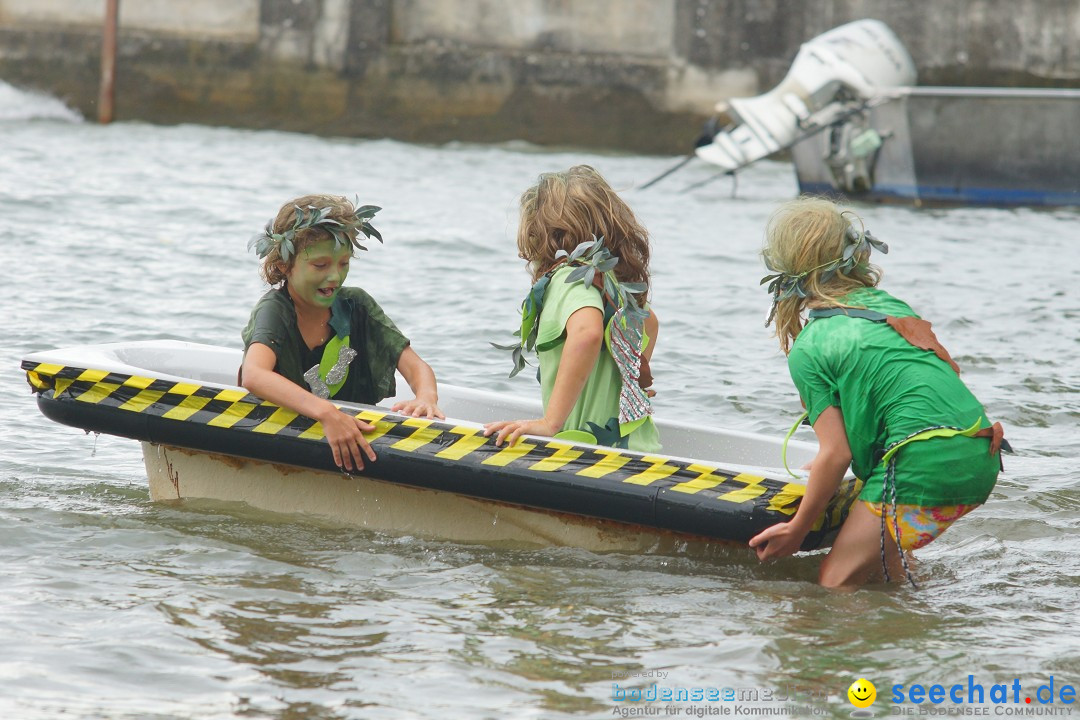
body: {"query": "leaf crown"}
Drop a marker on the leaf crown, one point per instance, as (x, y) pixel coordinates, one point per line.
(310, 217)
(783, 285)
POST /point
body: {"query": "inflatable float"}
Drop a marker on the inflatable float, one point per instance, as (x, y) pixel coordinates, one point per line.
(205, 437)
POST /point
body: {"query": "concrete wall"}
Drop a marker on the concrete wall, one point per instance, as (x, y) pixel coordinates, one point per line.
(634, 74)
(237, 19)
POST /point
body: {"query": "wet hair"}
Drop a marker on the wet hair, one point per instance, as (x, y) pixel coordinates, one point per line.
(274, 268)
(801, 238)
(564, 209)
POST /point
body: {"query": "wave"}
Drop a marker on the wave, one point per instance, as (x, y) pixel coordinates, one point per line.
(18, 104)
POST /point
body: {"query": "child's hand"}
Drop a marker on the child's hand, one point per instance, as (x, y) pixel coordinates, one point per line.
(777, 541)
(511, 430)
(345, 434)
(419, 408)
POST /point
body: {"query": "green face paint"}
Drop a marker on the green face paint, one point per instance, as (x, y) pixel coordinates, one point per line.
(318, 274)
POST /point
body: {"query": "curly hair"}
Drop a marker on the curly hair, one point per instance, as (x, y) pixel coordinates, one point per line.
(565, 209)
(802, 236)
(274, 269)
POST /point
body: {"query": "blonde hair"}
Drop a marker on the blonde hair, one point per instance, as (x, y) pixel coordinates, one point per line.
(802, 238)
(565, 209)
(274, 268)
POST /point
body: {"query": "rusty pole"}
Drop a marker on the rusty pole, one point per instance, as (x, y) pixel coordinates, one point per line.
(108, 63)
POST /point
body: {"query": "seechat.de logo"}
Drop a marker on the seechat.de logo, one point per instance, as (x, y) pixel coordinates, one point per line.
(862, 695)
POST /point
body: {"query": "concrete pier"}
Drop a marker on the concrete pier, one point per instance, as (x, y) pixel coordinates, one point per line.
(640, 75)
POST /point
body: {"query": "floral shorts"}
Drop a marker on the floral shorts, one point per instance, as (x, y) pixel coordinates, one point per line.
(919, 525)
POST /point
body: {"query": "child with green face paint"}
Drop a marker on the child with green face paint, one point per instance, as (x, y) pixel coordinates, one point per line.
(311, 340)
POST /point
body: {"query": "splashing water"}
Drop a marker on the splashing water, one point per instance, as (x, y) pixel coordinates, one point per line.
(16, 104)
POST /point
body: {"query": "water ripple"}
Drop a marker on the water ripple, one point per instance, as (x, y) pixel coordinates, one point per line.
(118, 607)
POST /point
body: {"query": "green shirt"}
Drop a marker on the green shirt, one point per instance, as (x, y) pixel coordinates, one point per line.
(599, 400)
(888, 389)
(377, 341)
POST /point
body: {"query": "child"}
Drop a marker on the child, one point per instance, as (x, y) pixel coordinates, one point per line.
(882, 395)
(310, 339)
(586, 314)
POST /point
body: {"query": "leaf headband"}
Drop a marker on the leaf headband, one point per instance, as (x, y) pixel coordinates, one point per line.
(312, 217)
(783, 285)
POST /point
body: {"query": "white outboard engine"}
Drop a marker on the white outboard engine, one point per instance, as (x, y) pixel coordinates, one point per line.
(833, 75)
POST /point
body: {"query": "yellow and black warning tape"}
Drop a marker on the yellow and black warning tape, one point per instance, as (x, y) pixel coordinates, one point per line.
(238, 410)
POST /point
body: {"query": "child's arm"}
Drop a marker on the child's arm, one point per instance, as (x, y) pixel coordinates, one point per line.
(652, 329)
(584, 337)
(421, 379)
(826, 473)
(343, 432)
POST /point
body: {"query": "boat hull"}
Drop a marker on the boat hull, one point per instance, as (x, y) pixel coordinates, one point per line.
(177, 474)
(98, 389)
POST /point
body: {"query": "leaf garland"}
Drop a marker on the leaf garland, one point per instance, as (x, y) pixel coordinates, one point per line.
(591, 257)
(588, 259)
(783, 285)
(530, 325)
(312, 217)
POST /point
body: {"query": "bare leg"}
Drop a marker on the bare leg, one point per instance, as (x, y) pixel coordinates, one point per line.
(855, 558)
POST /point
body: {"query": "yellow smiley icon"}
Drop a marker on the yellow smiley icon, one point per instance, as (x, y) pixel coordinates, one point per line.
(862, 693)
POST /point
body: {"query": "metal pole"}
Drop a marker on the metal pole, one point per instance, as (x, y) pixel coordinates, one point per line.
(108, 63)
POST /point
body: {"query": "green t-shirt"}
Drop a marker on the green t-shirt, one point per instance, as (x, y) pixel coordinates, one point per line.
(599, 400)
(377, 341)
(888, 389)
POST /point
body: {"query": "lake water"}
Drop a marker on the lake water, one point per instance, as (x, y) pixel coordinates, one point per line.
(116, 607)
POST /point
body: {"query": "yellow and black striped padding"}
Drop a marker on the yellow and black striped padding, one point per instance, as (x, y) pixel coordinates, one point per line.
(232, 409)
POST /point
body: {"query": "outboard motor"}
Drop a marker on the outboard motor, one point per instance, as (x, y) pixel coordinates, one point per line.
(833, 76)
